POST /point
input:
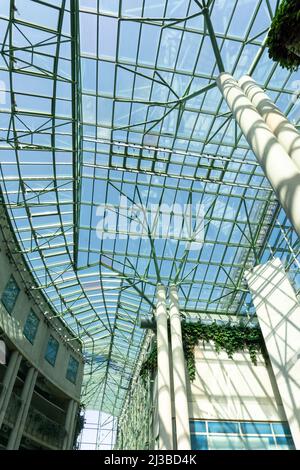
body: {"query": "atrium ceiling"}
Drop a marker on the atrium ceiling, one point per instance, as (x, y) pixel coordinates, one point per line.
(102, 100)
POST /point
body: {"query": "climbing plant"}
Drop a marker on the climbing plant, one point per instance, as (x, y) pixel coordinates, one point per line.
(283, 39)
(149, 365)
(227, 337)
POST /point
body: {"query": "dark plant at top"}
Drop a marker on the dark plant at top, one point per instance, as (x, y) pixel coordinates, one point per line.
(283, 40)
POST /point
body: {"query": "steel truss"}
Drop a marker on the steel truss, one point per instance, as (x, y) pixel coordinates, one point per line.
(86, 121)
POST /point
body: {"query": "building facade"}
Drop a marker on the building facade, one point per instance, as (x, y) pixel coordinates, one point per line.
(41, 361)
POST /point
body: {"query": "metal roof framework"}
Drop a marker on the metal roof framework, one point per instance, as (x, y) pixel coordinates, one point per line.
(108, 99)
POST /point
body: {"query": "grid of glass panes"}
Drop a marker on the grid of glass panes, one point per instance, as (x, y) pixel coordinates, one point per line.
(99, 432)
(127, 87)
(31, 326)
(234, 435)
(51, 351)
(72, 369)
(10, 294)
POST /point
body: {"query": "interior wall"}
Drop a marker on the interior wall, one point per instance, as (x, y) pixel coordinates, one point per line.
(233, 389)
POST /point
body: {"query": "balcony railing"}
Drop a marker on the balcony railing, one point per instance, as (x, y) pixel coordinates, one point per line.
(37, 425)
(44, 429)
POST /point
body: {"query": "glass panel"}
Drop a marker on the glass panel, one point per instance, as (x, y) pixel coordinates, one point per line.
(256, 428)
(224, 427)
(226, 443)
(285, 442)
(197, 426)
(259, 443)
(281, 428)
(31, 326)
(226, 435)
(10, 294)
(52, 349)
(130, 67)
(72, 369)
(198, 442)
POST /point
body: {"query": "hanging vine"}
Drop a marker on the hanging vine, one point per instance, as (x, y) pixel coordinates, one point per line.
(226, 337)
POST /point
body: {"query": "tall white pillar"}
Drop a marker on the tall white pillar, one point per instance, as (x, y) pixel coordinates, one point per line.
(179, 375)
(277, 165)
(8, 383)
(70, 424)
(163, 373)
(286, 133)
(17, 431)
(67, 426)
(278, 312)
(73, 425)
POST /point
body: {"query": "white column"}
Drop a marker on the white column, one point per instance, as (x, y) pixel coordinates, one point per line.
(286, 133)
(72, 425)
(179, 375)
(17, 431)
(163, 373)
(68, 421)
(277, 165)
(8, 383)
(278, 312)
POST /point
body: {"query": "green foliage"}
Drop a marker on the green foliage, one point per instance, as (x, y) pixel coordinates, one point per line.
(45, 427)
(226, 337)
(285, 33)
(149, 365)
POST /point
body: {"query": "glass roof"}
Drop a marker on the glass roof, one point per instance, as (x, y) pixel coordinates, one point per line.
(104, 99)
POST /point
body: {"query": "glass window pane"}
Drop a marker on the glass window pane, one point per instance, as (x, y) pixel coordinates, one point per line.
(281, 428)
(51, 351)
(256, 428)
(197, 426)
(259, 443)
(226, 443)
(31, 326)
(198, 442)
(227, 435)
(10, 294)
(72, 369)
(285, 442)
(224, 427)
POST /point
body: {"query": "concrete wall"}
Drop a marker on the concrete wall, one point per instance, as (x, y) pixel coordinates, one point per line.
(278, 312)
(13, 326)
(231, 389)
(226, 389)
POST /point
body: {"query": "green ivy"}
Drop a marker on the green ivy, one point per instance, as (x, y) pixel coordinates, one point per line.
(149, 365)
(284, 31)
(226, 337)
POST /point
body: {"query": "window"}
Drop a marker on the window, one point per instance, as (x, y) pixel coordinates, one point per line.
(10, 294)
(51, 351)
(72, 369)
(31, 326)
(234, 435)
